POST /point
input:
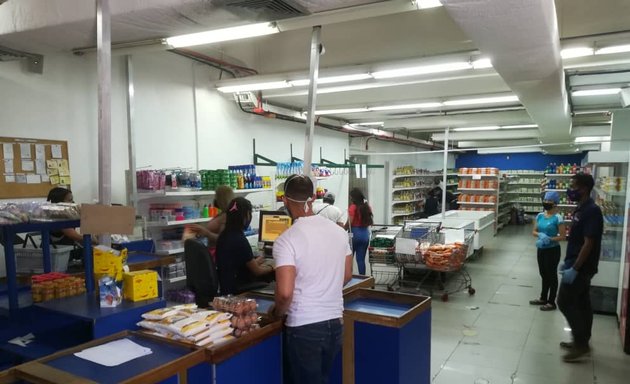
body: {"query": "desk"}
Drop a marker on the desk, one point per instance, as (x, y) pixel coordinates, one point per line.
(104, 321)
(9, 231)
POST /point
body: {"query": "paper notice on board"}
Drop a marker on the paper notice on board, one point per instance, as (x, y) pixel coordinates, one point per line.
(63, 168)
(9, 178)
(51, 164)
(28, 165)
(45, 179)
(40, 166)
(40, 151)
(65, 180)
(25, 151)
(52, 172)
(8, 166)
(55, 149)
(33, 179)
(21, 179)
(54, 180)
(7, 150)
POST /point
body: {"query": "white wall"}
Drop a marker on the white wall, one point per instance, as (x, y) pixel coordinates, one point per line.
(61, 104)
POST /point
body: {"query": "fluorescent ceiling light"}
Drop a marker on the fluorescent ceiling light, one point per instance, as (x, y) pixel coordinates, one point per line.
(596, 92)
(591, 139)
(597, 112)
(406, 106)
(488, 151)
(254, 87)
(224, 34)
(421, 70)
(519, 126)
(333, 79)
(370, 123)
(569, 53)
(466, 129)
(613, 49)
(341, 111)
(425, 4)
(482, 63)
(482, 100)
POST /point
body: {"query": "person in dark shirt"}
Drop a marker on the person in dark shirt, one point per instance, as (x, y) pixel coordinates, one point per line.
(432, 203)
(236, 265)
(580, 265)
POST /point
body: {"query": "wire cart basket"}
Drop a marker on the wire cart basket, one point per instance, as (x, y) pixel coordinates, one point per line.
(383, 265)
(422, 248)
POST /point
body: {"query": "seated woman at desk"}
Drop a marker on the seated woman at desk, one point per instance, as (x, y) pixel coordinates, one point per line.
(66, 236)
(236, 265)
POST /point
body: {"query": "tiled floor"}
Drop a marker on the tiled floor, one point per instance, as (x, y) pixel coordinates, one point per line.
(495, 336)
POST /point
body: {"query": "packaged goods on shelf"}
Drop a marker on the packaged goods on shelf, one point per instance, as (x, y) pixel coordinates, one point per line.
(284, 170)
(55, 285)
(22, 212)
(479, 171)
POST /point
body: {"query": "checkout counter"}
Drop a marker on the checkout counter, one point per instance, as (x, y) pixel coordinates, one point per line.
(387, 338)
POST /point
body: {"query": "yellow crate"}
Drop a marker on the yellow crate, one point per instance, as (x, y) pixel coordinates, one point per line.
(108, 263)
(140, 285)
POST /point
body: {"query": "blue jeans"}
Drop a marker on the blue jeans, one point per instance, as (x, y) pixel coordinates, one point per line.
(360, 243)
(310, 351)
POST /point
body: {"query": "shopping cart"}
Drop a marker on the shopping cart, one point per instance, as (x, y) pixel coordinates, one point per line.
(434, 255)
(383, 265)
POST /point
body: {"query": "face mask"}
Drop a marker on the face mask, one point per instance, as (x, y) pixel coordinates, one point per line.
(548, 206)
(574, 194)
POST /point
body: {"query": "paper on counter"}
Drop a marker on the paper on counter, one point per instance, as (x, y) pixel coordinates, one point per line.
(7, 150)
(114, 353)
(25, 151)
(55, 150)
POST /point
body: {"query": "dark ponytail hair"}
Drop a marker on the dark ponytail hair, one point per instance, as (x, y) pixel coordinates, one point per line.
(58, 195)
(236, 213)
(365, 212)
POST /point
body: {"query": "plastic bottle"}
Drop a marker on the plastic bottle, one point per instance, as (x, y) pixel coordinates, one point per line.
(204, 211)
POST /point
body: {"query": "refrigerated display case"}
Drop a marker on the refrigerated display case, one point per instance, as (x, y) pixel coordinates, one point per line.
(610, 171)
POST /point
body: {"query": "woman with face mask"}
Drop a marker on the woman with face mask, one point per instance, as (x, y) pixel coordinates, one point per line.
(236, 265)
(549, 229)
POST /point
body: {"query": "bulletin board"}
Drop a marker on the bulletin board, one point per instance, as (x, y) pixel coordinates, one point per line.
(31, 167)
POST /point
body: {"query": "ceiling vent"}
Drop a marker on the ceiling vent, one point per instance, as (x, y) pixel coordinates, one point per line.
(274, 9)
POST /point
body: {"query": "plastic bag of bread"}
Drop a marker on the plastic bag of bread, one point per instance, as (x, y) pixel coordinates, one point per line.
(160, 313)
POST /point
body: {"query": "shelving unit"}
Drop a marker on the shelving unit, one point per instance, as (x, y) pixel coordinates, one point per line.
(525, 189)
(480, 186)
(408, 188)
(610, 171)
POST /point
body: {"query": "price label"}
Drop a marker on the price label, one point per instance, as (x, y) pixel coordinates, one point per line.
(476, 177)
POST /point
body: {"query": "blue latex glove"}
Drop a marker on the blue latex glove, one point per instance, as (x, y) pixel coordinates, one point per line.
(569, 275)
(562, 267)
(542, 235)
(539, 244)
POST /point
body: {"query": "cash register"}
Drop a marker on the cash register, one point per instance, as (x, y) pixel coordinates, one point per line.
(271, 225)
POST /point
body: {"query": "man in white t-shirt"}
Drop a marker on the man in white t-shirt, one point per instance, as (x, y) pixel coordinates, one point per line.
(329, 211)
(313, 262)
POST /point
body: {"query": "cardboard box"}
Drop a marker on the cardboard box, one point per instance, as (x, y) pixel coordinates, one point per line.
(109, 262)
(140, 285)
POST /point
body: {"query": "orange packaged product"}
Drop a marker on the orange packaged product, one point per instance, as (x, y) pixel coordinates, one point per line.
(463, 171)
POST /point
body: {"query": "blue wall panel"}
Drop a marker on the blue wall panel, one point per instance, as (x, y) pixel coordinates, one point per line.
(535, 161)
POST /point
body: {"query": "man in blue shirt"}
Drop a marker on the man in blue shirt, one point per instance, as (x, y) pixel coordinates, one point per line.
(580, 265)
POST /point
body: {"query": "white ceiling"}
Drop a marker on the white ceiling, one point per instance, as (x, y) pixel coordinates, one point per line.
(533, 72)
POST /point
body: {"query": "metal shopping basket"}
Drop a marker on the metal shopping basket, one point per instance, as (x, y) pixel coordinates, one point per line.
(438, 250)
(383, 266)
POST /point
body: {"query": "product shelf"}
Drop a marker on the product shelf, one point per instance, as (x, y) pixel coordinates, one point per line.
(606, 194)
(176, 279)
(559, 174)
(523, 193)
(567, 205)
(474, 203)
(406, 201)
(194, 193)
(178, 222)
(412, 188)
(417, 175)
(405, 214)
(476, 175)
(527, 174)
(477, 189)
(555, 190)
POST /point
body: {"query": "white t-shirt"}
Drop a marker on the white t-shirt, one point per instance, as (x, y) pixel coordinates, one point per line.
(317, 248)
(330, 212)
